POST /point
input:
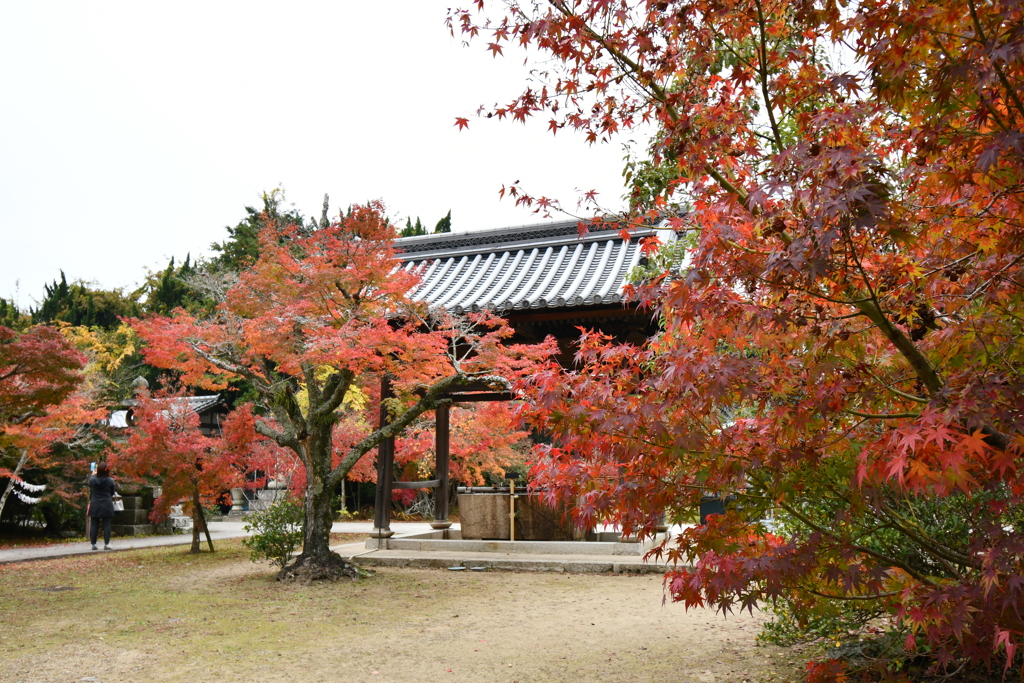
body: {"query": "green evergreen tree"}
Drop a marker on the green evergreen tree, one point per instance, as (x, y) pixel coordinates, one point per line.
(411, 230)
(11, 316)
(78, 304)
(242, 245)
(169, 290)
(445, 224)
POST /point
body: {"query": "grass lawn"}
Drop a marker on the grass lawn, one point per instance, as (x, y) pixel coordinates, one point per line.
(165, 615)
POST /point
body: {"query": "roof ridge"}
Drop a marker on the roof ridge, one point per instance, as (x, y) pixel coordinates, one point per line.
(455, 240)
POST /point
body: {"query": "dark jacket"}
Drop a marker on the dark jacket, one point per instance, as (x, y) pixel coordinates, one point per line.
(101, 498)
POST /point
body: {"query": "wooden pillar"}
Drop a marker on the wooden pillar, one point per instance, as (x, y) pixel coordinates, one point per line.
(385, 470)
(441, 448)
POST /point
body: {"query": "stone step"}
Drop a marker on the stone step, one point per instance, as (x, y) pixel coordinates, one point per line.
(132, 516)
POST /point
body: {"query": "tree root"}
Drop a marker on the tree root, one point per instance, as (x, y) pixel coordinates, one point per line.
(306, 569)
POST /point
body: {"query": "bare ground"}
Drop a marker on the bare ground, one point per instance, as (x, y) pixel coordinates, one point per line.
(163, 615)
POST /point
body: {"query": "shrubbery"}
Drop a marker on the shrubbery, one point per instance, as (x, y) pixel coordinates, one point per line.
(276, 532)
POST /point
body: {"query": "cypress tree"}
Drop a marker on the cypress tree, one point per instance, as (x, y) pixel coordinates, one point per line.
(445, 224)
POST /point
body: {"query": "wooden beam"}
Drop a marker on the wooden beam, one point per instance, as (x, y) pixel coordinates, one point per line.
(481, 396)
(514, 317)
(385, 467)
(429, 484)
(442, 447)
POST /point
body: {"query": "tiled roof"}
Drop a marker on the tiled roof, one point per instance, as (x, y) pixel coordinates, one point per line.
(534, 266)
(200, 403)
(121, 419)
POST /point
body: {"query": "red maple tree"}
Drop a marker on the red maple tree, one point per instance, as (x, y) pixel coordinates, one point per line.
(165, 444)
(40, 372)
(841, 338)
(484, 440)
(312, 326)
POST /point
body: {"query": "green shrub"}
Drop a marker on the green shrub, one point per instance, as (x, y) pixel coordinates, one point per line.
(276, 532)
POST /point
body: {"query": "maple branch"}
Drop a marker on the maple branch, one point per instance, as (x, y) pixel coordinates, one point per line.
(636, 72)
(921, 365)
(283, 399)
(335, 389)
(863, 549)
(901, 394)
(24, 417)
(309, 378)
(944, 554)
(999, 70)
(637, 75)
(882, 416)
(221, 364)
(15, 369)
(762, 69)
(982, 287)
(945, 266)
(830, 596)
(13, 478)
(277, 437)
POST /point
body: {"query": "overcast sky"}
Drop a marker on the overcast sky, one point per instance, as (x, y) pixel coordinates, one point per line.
(134, 131)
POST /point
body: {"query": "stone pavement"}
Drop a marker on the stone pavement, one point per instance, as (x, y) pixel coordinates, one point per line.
(218, 531)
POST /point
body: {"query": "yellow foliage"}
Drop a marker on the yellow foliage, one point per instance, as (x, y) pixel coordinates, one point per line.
(106, 349)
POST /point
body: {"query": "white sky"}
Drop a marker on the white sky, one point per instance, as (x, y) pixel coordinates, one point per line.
(134, 131)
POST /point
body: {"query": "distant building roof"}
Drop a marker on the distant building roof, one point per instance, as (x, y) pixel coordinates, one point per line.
(121, 419)
(199, 403)
(534, 266)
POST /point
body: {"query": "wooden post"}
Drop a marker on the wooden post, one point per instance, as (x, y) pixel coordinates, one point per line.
(442, 449)
(385, 470)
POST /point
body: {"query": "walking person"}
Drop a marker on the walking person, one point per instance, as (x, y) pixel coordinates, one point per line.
(101, 504)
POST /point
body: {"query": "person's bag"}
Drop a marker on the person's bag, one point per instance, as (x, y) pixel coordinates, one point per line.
(118, 503)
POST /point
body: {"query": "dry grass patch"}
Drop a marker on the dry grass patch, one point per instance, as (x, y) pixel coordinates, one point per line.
(164, 615)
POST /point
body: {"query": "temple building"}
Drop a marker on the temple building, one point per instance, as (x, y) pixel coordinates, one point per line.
(545, 279)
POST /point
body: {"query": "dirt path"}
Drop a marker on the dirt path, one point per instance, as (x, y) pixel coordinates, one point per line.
(157, 616)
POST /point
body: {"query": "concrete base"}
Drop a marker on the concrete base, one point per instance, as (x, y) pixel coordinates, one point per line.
(580, 564)
(381, 533)
(444, 548)
(604, 543)
(441, 525)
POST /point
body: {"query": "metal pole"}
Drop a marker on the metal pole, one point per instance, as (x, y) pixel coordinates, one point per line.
(442, 435)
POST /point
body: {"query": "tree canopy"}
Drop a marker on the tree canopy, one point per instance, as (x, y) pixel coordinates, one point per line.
(841, 341)
(242, 247)
(313, 325)
(40, 373)
(80, 304)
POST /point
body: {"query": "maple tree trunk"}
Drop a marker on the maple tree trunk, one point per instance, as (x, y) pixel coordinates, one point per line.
(317, 561)
(319, 518)
(201, 519)
(197, 515)
(10, 481)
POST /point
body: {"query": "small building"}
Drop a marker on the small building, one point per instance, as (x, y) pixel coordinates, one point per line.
(134, 520)
(546, 279)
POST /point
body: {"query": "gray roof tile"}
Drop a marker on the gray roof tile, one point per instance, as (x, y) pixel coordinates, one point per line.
(534, 266)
